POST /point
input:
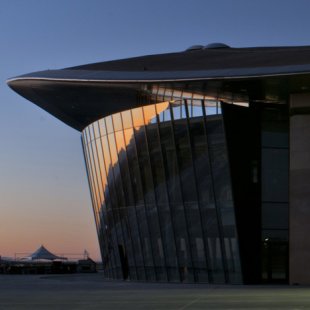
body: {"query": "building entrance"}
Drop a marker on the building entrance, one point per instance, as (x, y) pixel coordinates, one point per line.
(274, 261)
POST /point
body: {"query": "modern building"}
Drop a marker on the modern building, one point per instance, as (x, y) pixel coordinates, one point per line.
(198, 162)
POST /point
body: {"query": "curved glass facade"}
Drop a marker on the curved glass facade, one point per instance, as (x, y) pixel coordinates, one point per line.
(161, 191)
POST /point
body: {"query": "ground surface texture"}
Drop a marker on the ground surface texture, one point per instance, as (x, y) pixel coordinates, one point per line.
(92, 291)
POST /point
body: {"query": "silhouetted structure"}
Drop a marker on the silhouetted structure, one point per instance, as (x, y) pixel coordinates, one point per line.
(43, 253)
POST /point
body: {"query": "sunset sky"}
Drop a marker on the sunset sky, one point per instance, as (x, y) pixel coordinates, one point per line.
(44, 196)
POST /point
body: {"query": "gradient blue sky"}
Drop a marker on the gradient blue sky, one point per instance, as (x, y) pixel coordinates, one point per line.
(44, 196)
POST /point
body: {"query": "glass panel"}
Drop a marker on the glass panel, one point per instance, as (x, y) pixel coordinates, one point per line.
(168, 94)
(117, 121)
(96, 130)
(121, 148)
(193, 221)
(137, 116)
(229, 235)
(156, 242)
(126, 117)
(176, 110)
(275, 134)
(145, 238)
(134, 166)
(90, 180)
(150, 114)
(101, 164)
(222, 190)
(170, 162)
(275, 216)
(157, 164)
(211, 107)
(163, 111)
(107, 159)
(97, 172)
(182, 243)
(169, 244)
(160, 94)
(129, 137)
(201, 161)
(197, 108)
(118, 188)
(91, 132)
(145, 168)
(94, 178)
(135, 236)
(109, 124)
(275, 125)
(185, 161)
(113, 151)
(189, 108)
(87, 136)
(166, 115)
(275, 175)
(102, 127)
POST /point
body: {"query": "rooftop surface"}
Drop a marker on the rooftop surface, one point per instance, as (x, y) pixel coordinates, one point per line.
(208, 59)
(84, 291)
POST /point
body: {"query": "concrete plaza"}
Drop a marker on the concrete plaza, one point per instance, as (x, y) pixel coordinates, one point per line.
(92, 291)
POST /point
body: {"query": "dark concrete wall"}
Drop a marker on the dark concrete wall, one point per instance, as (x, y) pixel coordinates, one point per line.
(300, 189)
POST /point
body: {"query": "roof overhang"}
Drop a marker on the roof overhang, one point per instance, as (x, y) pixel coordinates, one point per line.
(81, 95)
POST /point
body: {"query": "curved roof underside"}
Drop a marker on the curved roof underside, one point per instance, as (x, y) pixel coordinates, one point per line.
(80, 95)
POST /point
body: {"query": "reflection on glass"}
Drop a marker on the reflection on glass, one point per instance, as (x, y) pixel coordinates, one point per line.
(102, 127)
(90, 181)
(128, 133)
(113, 151)
(97, 173)
(126, 117)
(101, 165)
(197, 108)
(91, 132)
(86, 131)
(109, 124)
(94, 184)
(211, 107)
(176, 111)
(106, 157)
(159, 179)
(120, 143)
(117, 122)
(96, 130)
(137, 116)
(149, 114)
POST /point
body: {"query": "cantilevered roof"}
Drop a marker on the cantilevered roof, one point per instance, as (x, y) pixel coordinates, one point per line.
(80, 95)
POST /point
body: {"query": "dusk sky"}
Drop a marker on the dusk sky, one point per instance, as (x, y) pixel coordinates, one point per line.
(44, 195)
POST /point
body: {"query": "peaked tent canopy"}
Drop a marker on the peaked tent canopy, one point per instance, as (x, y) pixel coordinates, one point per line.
(43, 253)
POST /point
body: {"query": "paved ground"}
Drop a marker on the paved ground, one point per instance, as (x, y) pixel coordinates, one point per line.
(93, 292)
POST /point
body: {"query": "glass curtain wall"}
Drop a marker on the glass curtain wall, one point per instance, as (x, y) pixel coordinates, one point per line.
(275, 200)
(161, 193)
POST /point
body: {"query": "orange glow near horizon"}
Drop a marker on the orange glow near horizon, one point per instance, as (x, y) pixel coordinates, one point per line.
(48, 204)
(57, 229)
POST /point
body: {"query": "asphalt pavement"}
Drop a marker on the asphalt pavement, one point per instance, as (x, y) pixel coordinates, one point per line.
(92, 291)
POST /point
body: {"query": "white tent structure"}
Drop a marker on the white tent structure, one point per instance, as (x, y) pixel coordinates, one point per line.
(43, 253)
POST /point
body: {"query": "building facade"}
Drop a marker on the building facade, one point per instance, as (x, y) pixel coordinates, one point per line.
(198, 162)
